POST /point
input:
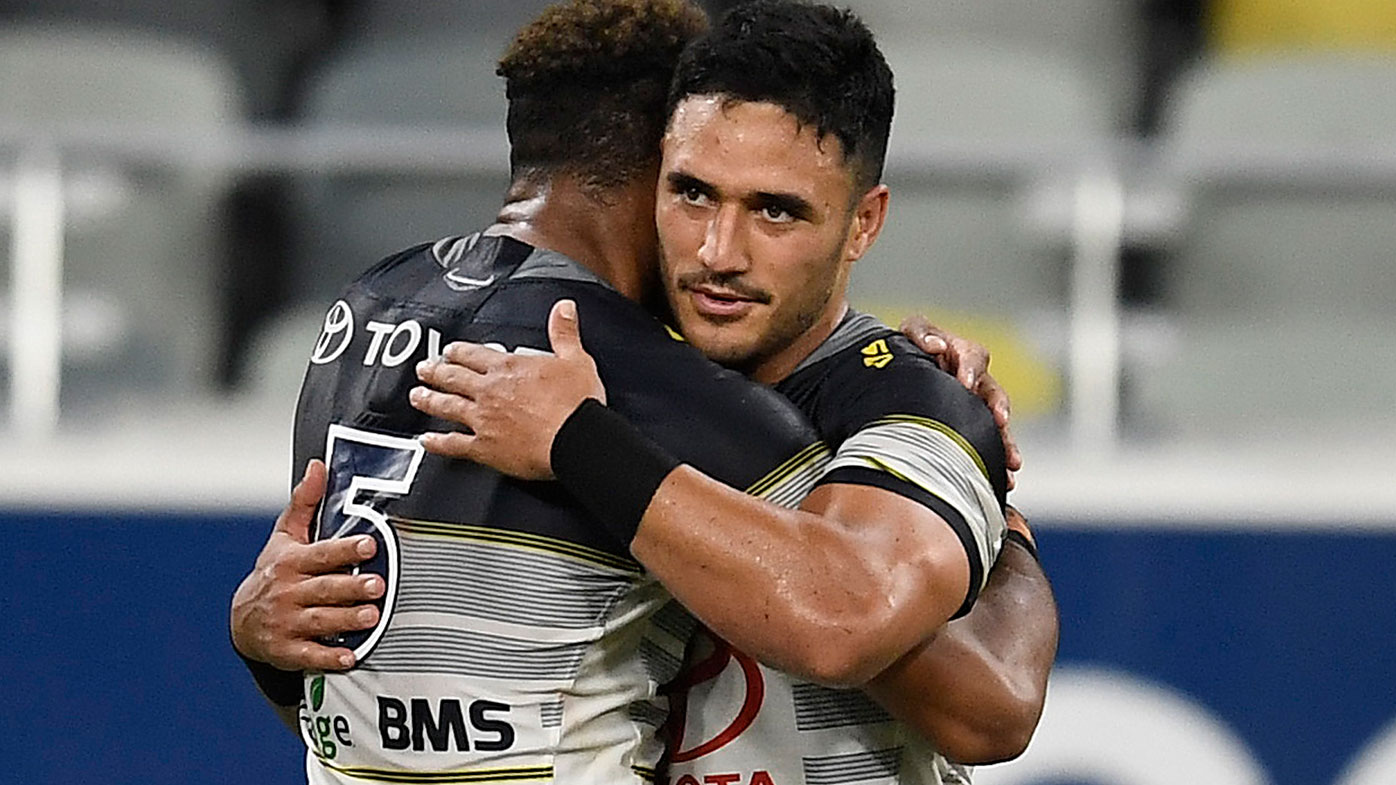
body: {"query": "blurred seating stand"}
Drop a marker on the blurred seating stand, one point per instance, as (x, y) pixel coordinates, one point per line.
(1012, 194)
(1282, 279)
(139, 245)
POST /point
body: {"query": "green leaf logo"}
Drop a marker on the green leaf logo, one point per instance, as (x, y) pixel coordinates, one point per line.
(317, 692)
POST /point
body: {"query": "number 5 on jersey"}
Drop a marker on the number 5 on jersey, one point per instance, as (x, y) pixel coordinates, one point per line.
(367, 469)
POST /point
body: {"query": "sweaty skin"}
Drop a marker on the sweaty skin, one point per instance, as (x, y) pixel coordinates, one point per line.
(759, 234)
(546, 219)
(760, 574)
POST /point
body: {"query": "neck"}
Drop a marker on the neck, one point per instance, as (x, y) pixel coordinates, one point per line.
(776, 367)
(609, 232)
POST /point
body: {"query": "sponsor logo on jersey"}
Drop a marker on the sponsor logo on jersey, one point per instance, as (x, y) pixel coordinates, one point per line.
(336, 334)
(876, 354)
(758, 777)
(717, 665)
(417, 725)
(326, 734)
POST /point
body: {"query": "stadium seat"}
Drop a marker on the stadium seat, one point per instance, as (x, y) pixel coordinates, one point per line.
(263, 41)
(1099, 38)
(350, 221)
(141, 243)
(1283, 292)
(966, 242)
(387, 20)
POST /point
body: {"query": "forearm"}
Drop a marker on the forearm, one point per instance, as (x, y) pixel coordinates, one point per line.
(976, 688)
(797, 590)
(834, 592)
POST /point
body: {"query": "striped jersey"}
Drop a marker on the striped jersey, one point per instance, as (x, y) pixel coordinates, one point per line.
(895, 421)
(518, 641)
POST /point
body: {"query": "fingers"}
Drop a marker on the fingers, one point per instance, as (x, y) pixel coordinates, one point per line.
(564, 332)
(321, 621)
(339, 590)
(443, 406)
(311, 656)
(450, 377)
(925, 335)
(476, 357)
(971, 361)
(450, 445)
(334, 555)
(993, 394)
(1013, 457)
(295, 520)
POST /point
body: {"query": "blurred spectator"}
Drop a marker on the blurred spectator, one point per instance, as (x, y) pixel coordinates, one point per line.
(1174, 37)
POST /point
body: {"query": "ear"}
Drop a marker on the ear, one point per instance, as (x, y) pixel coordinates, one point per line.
(868, 218)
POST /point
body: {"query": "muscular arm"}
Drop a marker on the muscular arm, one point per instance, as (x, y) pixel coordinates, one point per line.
(977, 687)
(835, 591)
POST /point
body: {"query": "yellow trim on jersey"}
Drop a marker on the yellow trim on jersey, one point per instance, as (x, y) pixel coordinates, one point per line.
(802, 460)
(883, 467)
(645, 773)
(941, 428)
(513, 774)
(513, 539)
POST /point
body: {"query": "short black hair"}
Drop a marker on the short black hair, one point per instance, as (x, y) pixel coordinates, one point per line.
(820, 63)
(587, 82)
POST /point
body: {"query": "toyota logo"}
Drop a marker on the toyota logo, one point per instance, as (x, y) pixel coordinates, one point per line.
(335, 335)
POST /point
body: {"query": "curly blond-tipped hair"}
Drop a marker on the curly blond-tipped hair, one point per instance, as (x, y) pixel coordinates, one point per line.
(587, 82)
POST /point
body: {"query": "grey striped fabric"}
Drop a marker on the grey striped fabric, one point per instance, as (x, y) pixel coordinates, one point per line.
(430, 649)
(938, 464)
(504, 584)
(858, 767)
(551, 714)
(647, 713)
(661, 664)
(793, 489)
(675, 620)
(817, 708)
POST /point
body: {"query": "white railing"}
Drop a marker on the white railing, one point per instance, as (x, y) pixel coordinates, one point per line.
(1102, 214)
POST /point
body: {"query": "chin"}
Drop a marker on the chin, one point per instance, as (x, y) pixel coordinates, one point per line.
(722, 352)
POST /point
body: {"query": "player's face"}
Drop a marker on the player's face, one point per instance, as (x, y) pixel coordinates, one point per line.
(759, 227)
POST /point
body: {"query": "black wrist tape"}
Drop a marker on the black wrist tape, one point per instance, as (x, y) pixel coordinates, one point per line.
(284, 688)
(609, 466)
(1016, 536)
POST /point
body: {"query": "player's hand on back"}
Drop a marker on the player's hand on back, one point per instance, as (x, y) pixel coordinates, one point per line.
(968, 361)
(512, 405)
(299, 593)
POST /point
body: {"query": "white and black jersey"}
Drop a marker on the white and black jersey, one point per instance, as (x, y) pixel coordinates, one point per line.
(518, 640)
(895, 421)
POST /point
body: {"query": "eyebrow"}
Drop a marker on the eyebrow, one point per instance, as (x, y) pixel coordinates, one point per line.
(797, 206)
(683, 181)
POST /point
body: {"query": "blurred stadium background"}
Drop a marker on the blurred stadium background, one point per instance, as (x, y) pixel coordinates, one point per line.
(1172, 220)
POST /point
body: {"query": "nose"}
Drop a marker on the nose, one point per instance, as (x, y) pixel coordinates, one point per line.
(723, 249)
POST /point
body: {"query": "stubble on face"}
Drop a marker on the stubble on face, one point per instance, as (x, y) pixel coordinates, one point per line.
(745, 156)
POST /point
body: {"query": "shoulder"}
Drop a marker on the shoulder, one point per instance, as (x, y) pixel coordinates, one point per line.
(876, 377)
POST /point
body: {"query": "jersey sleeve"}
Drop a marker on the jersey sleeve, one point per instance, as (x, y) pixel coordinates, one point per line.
(909, 428)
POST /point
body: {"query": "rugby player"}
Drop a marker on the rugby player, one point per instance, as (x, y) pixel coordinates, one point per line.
(769, 192)
(492, 655)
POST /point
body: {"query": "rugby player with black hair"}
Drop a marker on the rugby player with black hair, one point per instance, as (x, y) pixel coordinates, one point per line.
(498, 629)
(770, 190)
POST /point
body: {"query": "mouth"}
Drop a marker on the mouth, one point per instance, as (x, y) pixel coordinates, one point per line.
(714, 302)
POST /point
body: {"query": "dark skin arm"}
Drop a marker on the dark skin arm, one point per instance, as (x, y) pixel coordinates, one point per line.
(976, 688)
